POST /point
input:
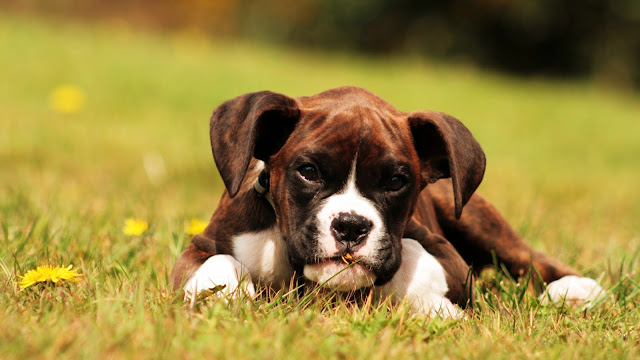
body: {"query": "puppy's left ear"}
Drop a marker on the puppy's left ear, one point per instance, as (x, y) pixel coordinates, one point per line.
(252, 125)
(447, 149)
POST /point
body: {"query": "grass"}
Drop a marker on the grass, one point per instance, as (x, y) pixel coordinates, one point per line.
(563, 168)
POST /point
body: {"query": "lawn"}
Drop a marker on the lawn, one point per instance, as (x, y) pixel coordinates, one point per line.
(563, 167)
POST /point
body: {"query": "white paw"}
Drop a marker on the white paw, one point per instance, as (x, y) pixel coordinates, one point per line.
(573, 291)
(421, 282)
(220, 271)
(437, 306)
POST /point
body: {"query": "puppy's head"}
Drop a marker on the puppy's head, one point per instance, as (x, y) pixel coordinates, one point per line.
(346, 169)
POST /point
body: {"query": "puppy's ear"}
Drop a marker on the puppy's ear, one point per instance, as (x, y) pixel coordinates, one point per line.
(447, 149)
(255, 124)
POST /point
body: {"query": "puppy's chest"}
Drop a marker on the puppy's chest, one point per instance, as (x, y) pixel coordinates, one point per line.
(264, 253)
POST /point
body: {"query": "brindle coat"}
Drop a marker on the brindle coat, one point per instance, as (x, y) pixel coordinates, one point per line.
(276, 129)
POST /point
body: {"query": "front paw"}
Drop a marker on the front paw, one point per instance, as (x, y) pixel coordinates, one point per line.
(437, 306)
(421, 282)
(221, 272)
(573, 291)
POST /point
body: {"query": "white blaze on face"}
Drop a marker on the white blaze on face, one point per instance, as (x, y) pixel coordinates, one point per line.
(348, 200)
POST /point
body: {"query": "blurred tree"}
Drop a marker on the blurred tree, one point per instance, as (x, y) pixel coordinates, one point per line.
(552, 37)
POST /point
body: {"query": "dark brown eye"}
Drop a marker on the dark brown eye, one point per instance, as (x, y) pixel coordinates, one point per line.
(309, 172)
(396, 183)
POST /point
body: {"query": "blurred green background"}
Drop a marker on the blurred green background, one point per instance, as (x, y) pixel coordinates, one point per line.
(598, 39)
(562, 155)
(105, 106)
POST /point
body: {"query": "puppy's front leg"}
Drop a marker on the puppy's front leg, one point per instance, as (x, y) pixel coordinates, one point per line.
(220, 270)
(421, 281)
(458, 275)
(201, 268)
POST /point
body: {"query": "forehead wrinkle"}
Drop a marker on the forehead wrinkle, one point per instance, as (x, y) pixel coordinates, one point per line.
(342, 130)
(393, 130)
(353, 129)
(387, 131)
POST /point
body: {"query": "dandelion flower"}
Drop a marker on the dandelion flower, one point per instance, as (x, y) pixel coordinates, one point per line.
(196, 227)
(48, 273)
(134, 227)
(67, 99)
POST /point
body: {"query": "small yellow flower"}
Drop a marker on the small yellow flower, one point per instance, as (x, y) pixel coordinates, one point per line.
(135, 227)
(48, 273)
(67, 99)
(196, 226)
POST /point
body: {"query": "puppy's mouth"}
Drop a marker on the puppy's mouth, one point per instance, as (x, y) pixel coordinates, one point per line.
(346, 258)
(343, 272)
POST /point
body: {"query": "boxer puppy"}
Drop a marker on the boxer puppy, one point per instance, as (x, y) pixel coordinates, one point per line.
(342, 189)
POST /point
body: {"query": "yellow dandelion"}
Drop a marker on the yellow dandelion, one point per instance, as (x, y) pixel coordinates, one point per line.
(196, 226)
(134, 227)
(67, 99)
(48, 273)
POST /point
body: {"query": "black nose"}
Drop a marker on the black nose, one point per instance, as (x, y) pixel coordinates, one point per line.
(350, 229)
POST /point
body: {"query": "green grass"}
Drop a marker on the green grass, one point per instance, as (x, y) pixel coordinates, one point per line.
(563, 167)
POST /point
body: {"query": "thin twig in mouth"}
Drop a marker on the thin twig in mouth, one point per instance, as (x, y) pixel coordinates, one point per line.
(348, 259)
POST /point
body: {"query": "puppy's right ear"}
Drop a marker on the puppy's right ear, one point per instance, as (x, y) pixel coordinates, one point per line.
(255, 124)
(447, 149)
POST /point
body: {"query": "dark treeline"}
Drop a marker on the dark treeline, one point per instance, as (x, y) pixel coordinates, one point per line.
(596, 38)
